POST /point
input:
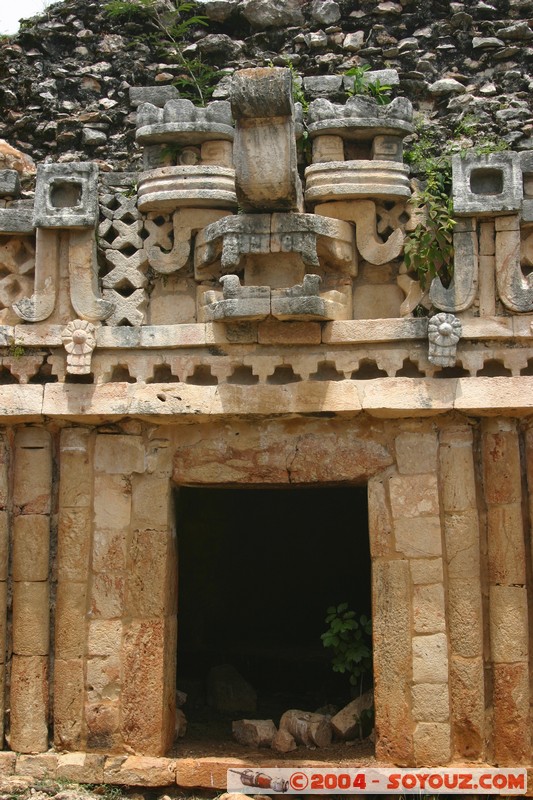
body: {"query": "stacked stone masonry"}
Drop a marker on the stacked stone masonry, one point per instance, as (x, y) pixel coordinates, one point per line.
(145, 327)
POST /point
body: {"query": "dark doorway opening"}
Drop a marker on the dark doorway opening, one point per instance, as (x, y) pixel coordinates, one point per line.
(257, 570)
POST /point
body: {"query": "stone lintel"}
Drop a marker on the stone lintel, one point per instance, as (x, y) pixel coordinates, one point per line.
(385, 398)
(198, 334)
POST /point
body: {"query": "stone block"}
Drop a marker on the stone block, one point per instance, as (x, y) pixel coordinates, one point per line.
(33, 479)
(508, 624)
(418, 537)
(426, 570)
(457, 476)
(151, 502)
(31, 618)
(70, 620)
(29, 704)
(465, 615)
(104, 637)
(107, 595)
(461, 535)
(432, 743)
(69, 693)
(16, 220)
(152, 574)
(3, 631)
(430, 658)
(103, 722)
(392, 660)
(156, 95)
(31, 546)
(112, 502)
(4, 545)
(140, 771)
(103, 678)
(467, 692)
(9, 183)
(149, 661)
(214, 152)
(345, 723)
(413, 496)
(501, 463)
(416, 453)
(487, 184)
(7, 763)
(109, 550)
(43, 765)
(116, 454)
(66, 195)
(263, 183)
(379, 519)
(387, 148)
(75, 478)
(429, 615)
(81, 767)
(275, 332)
(506, 544)
(431, 702)
(512, 739)
(74, 543)
(328, 148)
(283, 742)
(254, 732)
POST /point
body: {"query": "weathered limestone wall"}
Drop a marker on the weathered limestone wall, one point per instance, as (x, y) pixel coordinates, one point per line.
(448, 520)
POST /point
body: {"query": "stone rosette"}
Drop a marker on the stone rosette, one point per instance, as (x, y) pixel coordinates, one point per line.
(79, 341)
(444, 331)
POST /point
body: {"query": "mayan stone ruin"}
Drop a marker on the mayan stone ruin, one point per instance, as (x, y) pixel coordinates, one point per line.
(240, 383)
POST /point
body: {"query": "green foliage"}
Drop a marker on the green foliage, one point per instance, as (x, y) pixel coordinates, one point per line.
(199, 80)
(298, 94)
(16, 350)
(429, 247)
(168, 33)
(130, 10)
(349, 638)
(361, 85)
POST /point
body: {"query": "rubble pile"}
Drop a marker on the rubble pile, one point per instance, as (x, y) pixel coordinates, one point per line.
(65, 78)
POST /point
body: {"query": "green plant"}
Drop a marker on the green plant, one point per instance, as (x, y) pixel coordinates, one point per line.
(130, 10)
(171, 30)
(362, 85)
(349, 638)
(298, 94)
(16, 350)
(429, 247)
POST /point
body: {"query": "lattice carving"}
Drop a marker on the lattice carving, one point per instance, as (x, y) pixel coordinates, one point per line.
(121, 236)
(17, 266)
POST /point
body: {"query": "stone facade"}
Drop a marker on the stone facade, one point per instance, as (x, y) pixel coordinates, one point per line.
(290, 324)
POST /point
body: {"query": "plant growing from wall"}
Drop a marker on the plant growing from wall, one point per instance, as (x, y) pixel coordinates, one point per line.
(171, 29)
(429, 247)
(381, 92)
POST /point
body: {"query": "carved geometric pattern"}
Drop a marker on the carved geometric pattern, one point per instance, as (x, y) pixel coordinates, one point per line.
(17, 265)
(121, 239)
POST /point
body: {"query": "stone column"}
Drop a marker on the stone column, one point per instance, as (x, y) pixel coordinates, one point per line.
(415, 506)
(132, 633)
(465, 613)
(73, 556)
(31, 540)
(508, 613)
(4, 561)
(391, 632)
